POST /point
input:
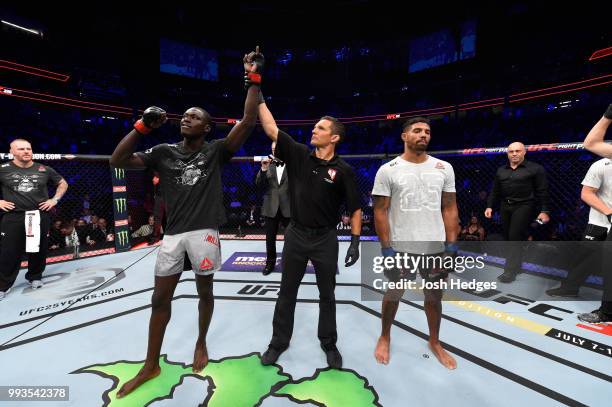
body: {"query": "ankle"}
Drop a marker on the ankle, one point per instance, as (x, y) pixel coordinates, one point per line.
(150, 367)
(435, 342)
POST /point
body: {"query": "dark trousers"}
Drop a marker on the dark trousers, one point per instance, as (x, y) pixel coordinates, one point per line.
(322, 250)
(516, 219)
(587, 258)
(272, 225)
(13, 248)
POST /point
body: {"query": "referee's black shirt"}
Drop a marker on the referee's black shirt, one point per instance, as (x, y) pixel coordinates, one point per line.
(317, 187)
(526, 183)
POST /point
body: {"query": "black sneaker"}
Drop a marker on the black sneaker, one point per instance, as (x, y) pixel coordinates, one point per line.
(270, 356)
(334, 358)
(507, 277)
(562, 292)
(595, 317)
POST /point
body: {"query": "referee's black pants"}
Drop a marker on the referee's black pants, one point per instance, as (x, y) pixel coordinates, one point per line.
(13, 247)
(321, 248)
(516, 218)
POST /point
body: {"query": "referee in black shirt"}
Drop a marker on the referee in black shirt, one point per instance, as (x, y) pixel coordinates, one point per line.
(319, 182)
(522, 188)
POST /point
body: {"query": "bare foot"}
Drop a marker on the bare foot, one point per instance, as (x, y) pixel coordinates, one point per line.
(381, 353)
(443, 356)
(142, 376)
(200, 358)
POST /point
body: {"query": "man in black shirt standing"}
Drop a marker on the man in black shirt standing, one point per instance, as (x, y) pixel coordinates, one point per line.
(520, 185)
(190, 180)
(26, 221)
(319, 182)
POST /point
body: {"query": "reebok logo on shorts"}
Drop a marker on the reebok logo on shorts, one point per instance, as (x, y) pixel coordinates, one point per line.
(206, 264)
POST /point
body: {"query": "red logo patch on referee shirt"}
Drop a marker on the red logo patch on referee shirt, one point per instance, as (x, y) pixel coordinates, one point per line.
(440, 166)
(42, 168)
(206, 264)
(332, 173)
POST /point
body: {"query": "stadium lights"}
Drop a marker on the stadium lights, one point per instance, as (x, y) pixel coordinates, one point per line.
(30, 30)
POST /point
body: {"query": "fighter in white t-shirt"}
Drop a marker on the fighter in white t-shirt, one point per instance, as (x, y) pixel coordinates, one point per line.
(415, 211)
(598, 181)
(597, 193)
(595, 143)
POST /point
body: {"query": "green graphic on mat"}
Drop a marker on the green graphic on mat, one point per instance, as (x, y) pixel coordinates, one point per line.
(332, 388)
(236, 381)
(155, 389)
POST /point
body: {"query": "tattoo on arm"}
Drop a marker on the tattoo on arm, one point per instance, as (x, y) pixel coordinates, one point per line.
(448, 199)
(380, 202)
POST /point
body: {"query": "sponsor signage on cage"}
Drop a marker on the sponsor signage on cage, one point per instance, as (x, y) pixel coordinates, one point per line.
(8, 156)
(120, 209)
(121, 205)
(533, 147)
(119, 173)
(122, 238)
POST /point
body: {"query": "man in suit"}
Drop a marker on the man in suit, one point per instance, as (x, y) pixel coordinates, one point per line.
(276, 209)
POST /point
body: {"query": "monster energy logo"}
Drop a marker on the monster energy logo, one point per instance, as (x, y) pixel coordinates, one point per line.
(122, 238)
(119, 173)
(121, 205)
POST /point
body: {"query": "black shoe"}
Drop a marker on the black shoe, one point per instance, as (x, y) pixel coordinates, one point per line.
(269, 267)
(270, 356)
(334, 358)
(562, 292)
(507, 277)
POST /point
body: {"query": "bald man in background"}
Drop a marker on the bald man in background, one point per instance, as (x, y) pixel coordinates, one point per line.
(522, 188)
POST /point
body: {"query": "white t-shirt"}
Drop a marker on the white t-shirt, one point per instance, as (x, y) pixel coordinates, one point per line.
(599, 176)
(415, 211)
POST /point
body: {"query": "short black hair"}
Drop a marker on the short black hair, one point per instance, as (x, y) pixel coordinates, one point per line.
(207, 119)
(415, 120)
(206, 116)
(336, 126)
